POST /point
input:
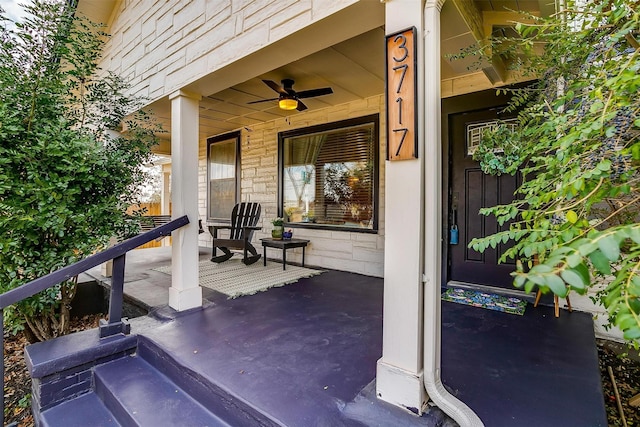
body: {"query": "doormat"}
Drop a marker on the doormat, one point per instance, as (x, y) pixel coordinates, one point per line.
(235, 279)
(481, 299)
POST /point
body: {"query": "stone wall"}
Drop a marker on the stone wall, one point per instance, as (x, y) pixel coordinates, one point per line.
(175, 43)
(341, 250)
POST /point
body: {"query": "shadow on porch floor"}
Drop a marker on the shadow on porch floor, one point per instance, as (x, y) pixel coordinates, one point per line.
(306, 355)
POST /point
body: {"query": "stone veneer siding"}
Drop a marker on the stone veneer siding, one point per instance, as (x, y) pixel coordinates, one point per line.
(160, 46)
(341, 250)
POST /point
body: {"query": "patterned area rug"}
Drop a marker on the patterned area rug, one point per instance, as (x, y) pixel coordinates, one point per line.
(480, 299)
(235, 279)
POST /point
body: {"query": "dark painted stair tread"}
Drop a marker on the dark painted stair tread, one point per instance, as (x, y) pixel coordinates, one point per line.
(139, 394)
(82, 411)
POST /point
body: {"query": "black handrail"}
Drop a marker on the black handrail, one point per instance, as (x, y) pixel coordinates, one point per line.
(117, 253)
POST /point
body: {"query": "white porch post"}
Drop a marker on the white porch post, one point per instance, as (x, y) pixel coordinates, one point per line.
(399, 377)
(185, 291)
(165, 196)
(433, 225)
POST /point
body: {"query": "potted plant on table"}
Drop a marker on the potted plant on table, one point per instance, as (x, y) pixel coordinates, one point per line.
(278, 228)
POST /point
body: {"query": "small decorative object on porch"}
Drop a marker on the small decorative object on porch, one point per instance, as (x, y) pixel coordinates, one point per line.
(287, 234)
(278, 228)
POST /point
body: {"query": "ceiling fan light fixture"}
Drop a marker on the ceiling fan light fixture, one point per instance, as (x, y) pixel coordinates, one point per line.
(288, 103)
(288, 98)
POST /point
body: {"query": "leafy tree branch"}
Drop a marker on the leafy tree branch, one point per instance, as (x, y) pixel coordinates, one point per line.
(576, 144)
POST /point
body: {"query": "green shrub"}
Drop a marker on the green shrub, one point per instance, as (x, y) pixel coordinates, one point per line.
(70, 157)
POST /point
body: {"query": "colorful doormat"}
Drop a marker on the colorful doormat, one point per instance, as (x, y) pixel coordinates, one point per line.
(481, 299)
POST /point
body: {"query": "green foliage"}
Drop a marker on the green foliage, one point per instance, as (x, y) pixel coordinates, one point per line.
(349, 186)
(574, 222)
(498, 151)
(70, 157)
(25, 401)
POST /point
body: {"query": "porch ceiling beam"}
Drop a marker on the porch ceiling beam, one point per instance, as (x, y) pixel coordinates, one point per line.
(495, 70)
(505, 18)
(493, 19)
(472, 17)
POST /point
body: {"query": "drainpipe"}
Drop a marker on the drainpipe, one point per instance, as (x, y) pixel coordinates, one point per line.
(452, 406)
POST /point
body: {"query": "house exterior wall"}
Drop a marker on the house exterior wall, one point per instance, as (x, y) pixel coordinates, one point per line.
(341, 250)
(600, 316)
(161, 47)
(178, 42)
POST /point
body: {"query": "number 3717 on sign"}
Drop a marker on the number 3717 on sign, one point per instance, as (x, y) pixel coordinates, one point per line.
(402, 141)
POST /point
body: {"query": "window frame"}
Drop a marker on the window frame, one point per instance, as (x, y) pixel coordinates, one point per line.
(369, 119)
(213, 140)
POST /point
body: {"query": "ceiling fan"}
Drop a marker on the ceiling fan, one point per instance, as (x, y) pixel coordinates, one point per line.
(289, 99)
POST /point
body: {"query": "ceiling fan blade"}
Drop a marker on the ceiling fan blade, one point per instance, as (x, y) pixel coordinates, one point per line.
(276, 87)
(263, 100)
(301, 106)
(314, 92)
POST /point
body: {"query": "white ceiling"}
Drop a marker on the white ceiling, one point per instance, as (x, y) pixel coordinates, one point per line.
(354, 69)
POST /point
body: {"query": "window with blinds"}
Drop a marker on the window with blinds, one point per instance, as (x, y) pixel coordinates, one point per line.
(223, 162)
(329, 175)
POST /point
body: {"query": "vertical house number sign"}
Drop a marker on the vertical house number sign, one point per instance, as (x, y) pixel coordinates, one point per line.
(402, 138)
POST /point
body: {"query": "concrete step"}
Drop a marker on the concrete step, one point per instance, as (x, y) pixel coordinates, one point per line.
(151, 388)
(82, 411)
(137, 394)
(217, 399)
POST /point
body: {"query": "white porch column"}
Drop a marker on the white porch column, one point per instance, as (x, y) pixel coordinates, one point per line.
(433, 225)
(165, 196)
(185, 291)
(399, 372)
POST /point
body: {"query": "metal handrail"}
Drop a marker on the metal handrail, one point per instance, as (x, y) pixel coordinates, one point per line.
(117, 253)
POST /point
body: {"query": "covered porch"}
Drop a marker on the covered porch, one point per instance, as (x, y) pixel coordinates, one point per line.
(306, 354)
(209, 88)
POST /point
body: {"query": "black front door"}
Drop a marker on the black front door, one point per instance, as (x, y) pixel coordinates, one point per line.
(471, 189)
